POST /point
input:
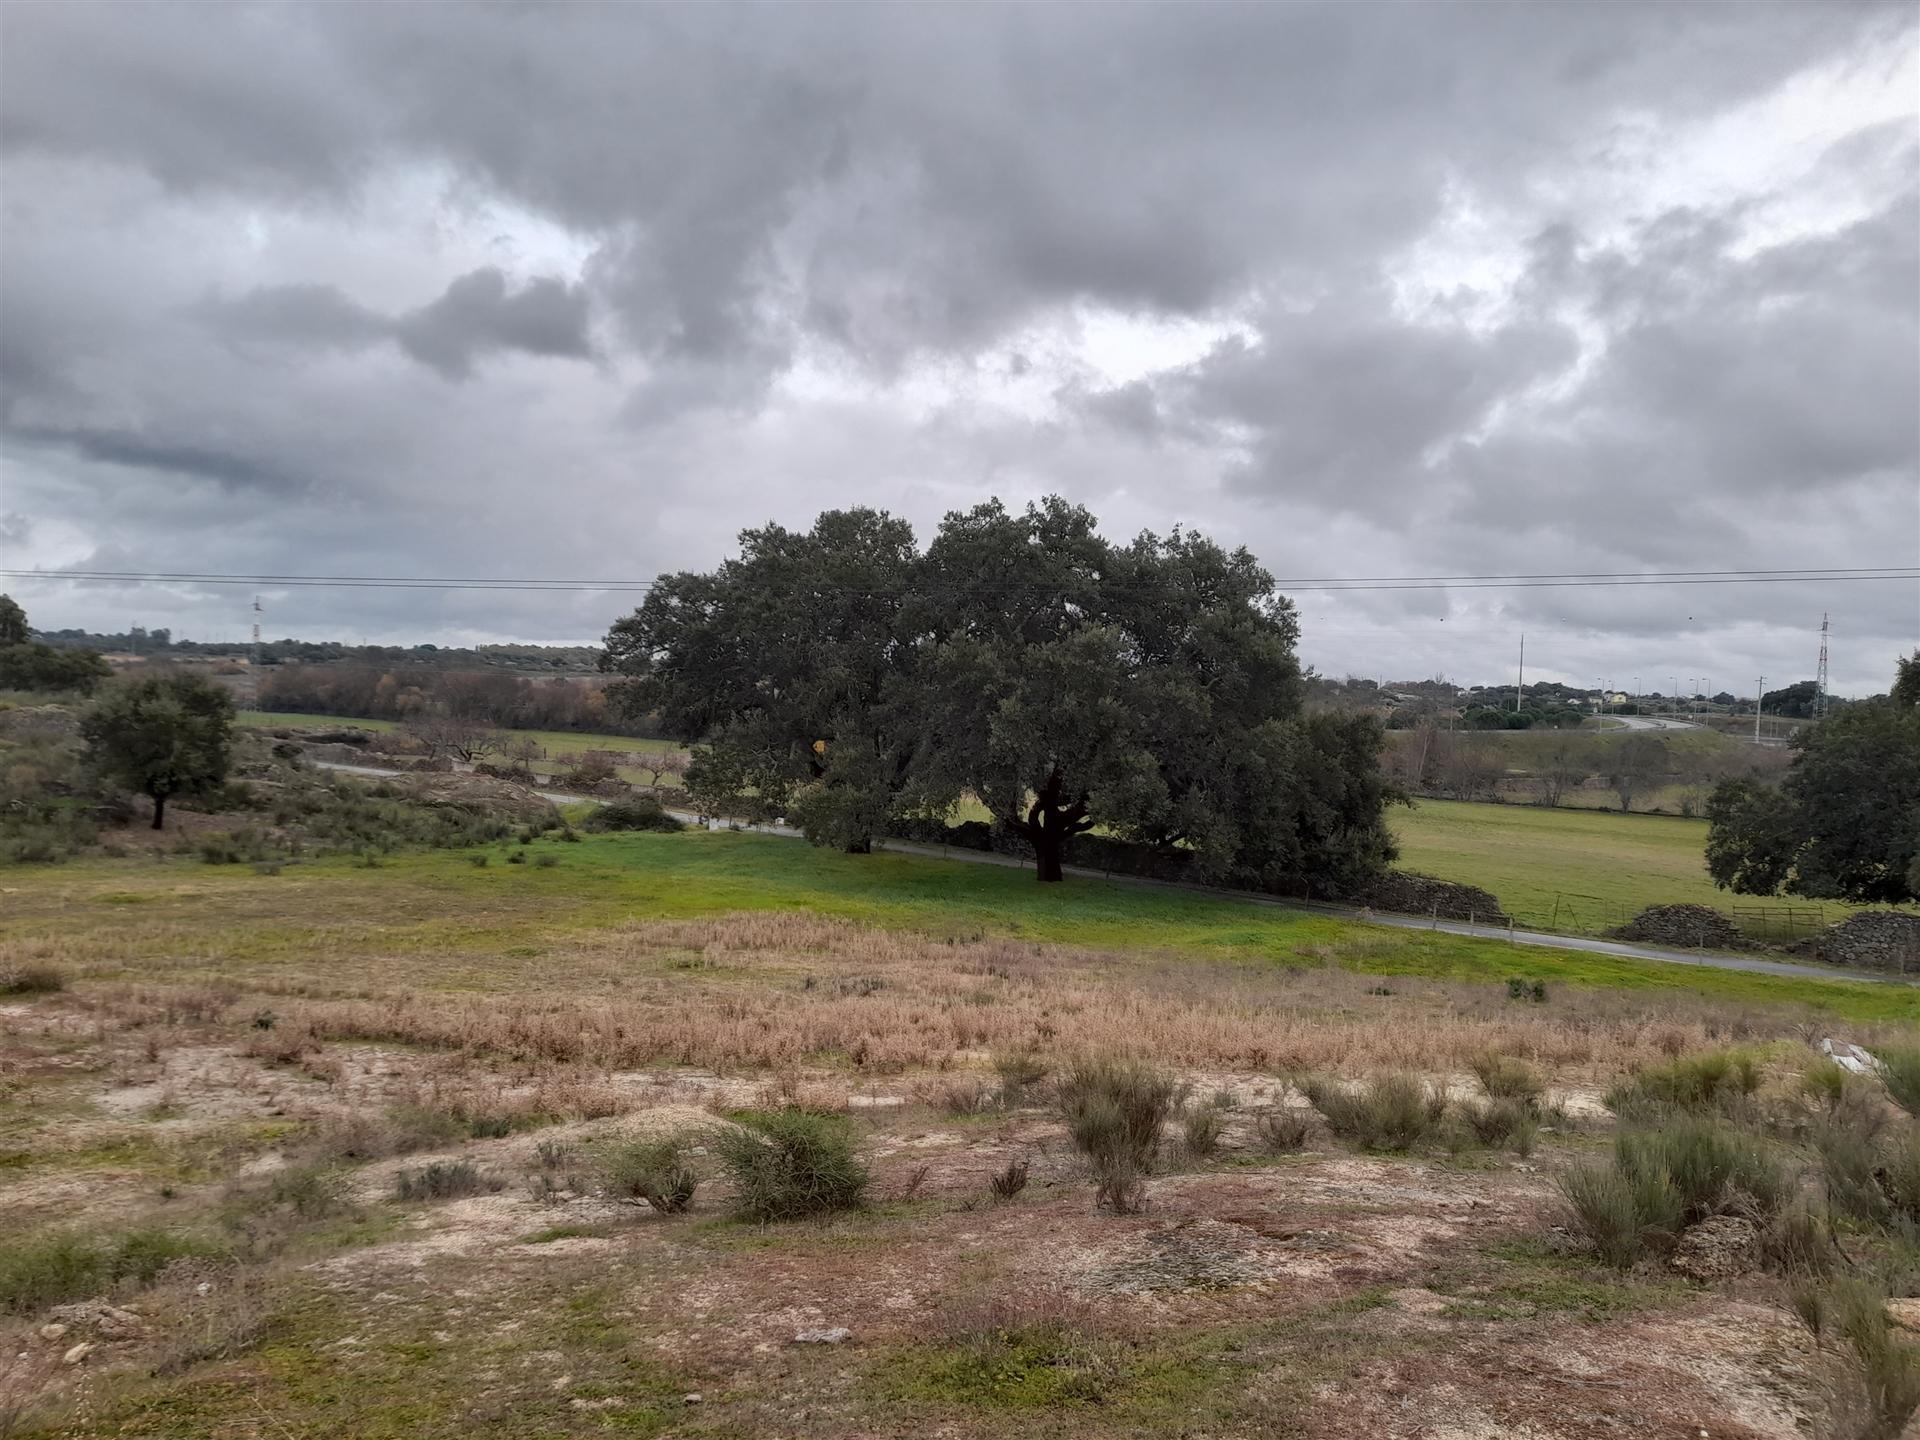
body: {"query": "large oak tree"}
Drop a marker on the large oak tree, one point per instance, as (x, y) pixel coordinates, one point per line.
(1067, 683)
(790, 666)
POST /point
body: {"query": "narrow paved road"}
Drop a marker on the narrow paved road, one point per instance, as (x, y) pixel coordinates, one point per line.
(1582, 943)
(1649, 722)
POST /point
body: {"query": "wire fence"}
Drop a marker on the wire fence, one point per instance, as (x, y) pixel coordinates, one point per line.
(1593, 914)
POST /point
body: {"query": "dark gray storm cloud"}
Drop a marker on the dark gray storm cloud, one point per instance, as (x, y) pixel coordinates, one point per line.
(1373, 289)
(476, 315)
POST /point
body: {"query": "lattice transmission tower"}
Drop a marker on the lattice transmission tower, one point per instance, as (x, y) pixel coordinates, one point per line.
(1820, 680)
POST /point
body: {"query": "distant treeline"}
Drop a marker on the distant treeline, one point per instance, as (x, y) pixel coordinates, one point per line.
(488, 697)
(573, 659)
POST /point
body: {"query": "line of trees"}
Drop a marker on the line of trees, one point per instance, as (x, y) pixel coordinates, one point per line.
(28, 664)
(846, 678)
(1433, 760)
(487, 697)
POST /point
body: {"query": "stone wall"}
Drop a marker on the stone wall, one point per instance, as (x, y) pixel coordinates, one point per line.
(1870, 940)
(1684, 927)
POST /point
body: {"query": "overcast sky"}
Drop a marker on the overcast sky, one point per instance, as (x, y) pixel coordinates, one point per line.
(1373, 289)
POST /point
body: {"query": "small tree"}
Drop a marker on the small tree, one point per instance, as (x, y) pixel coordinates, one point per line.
(444, 733)
(1639, 763)
(13, 622)
(163, 736)
(661, 763)
(1564, 767)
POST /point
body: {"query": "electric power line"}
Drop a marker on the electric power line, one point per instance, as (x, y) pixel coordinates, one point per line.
(1326, 584)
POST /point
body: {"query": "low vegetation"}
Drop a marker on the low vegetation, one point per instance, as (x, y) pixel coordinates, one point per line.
(652, 1171)
(790, 1163)
(1115, 1110)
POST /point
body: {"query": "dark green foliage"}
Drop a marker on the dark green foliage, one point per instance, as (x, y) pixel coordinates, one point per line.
(1115, 1110)
(163, 736)
(25, 665)
(1386, 1112)
(651, 1170)
(1710, 1168)
(445, 1180)
(794, 663)
(1664, 1179)
(1713, 1081)
(846, 681)
(1521, 989)
(791, 1163)
(42, 668)
(642, 812)
(1844, 824)
(13, 623)
(1906, 683)
(50, 1269)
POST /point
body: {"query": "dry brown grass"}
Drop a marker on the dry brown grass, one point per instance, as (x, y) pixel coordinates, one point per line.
(781, 990)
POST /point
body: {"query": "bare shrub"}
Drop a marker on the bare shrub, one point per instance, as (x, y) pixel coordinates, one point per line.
(1202, 1128)
(32, 980)
(1009, 1182)
(445, 1180)
(651, 1170)
(1020, 1071)
(790, 1163)
(28, 1375)
(1504, 1078)
(1885, 1365)
(960, 1096)
(1283, 1130)
(1504, 1124)
(1115, 1110)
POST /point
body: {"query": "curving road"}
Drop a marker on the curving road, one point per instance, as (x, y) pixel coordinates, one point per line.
(1543, 939)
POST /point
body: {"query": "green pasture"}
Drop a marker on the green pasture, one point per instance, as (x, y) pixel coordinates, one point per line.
(437, 920)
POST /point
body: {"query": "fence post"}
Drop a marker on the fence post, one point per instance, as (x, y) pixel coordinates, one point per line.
(1436, 916)
(1510, 939)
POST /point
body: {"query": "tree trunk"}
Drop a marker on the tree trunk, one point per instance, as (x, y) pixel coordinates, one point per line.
(159, 810)
(1049, 846)
(1050, 820)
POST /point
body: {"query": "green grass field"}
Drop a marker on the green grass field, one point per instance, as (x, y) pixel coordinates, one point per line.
(439, 920)
(1582, 871)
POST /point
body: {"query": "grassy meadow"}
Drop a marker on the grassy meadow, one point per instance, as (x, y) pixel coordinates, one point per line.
(1580, 871)
(438, 920)
(347, 1147)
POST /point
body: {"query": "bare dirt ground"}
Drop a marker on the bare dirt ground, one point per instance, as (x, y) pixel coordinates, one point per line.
(1312, 1292)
